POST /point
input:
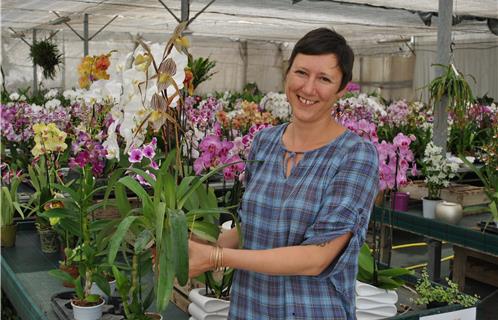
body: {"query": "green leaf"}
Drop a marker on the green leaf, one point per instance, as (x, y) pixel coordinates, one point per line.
(78, 288)
(143, 239)
(205, 231)
(166, 268)
(75, 196)
(394, 272)
(61, 275)
(134, 186)
(144, 175)
(122, 283)
(180, 239)
(169, 192)
(365, 259)
(102, 283)
(92, 298)
(122, 201)
(116, 241)
(118, 173)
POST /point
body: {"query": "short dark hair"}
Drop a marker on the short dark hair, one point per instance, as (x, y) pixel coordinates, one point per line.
(324, 41)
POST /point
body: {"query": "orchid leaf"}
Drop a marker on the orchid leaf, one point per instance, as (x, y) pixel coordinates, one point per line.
(180, 238)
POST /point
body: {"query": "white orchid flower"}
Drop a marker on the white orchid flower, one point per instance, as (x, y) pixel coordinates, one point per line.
(111, 143)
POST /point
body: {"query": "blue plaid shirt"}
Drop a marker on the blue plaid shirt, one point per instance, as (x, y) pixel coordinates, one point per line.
(329, 193)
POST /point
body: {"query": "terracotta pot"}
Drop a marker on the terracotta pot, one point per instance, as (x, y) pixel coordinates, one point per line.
(8, 235)
(72, 271)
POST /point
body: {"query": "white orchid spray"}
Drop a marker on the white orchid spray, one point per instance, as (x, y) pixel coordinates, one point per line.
(152, 95)
(277, 104)
(438, 170)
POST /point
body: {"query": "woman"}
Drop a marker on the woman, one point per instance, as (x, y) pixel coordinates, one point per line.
(306, 207)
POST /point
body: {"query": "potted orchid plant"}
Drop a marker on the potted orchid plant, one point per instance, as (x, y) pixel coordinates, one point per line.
(438, 171)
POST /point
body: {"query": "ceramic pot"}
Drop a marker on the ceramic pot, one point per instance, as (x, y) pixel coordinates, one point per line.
(377, 313)
(449, 212)
(429, 208)
(8, 235)
(48, 240)
(95, 289)
(206, 308)
(399, 201)
(374, 303)
(87, 313)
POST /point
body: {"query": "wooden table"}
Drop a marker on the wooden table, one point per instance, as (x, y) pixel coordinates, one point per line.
(475, 265)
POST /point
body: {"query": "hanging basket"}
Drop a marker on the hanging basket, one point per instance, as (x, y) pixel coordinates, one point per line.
(46, 55)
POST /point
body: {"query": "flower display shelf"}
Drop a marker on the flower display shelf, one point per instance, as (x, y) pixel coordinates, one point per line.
(61, 304)
(464, 194)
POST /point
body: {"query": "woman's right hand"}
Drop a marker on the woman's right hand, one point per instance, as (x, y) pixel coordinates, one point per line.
(199, 258)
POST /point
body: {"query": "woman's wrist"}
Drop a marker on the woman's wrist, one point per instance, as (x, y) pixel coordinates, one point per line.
(216, 258)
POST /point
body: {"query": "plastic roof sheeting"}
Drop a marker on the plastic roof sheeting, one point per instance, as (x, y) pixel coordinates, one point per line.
(270, 20)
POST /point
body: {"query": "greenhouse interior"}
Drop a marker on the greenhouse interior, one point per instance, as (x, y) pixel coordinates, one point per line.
(257, 159)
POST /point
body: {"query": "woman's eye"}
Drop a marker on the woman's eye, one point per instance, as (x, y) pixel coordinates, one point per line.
(300, 72)
(325, 79)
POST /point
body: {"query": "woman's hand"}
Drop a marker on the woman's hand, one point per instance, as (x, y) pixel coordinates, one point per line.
(199, 258)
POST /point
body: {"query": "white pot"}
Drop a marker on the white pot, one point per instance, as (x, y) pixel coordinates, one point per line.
(429, 208)
(95, 289)
(87, 313)
(206, 308)
(374, 303)
(367, 290)
(376, 313)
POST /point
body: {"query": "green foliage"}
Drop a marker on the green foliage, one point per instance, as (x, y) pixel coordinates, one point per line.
(201, 70)
(173, 206)
(488, 174)
(430, 292)
(46, 54)
(368, 272)
(75, 217)
(10, 202)
(451, 83)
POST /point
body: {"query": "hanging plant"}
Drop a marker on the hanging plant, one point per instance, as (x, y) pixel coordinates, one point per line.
(46, 54)
(452, 83)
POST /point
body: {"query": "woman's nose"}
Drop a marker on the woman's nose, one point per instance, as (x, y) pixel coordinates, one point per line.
(308, 86)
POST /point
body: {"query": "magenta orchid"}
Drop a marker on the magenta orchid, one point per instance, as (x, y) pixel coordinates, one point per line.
(137, 155)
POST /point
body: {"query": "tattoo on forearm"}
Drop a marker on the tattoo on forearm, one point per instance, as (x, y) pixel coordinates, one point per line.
(323, 244)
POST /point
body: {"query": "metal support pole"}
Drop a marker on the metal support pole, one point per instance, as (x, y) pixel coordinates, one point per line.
(440, 127)
(35, 71)
(85, 35)
(244, 57)
(434, 263)
(185, 10)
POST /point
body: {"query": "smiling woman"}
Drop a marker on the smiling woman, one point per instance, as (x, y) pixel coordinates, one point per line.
(308, 198)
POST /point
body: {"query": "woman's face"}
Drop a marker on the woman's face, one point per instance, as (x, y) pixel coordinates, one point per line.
(312, 86)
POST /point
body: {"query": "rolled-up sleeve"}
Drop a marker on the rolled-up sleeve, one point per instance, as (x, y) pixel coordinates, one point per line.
(346, 207)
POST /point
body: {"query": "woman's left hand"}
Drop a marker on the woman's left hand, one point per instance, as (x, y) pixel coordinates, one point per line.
(199, 258)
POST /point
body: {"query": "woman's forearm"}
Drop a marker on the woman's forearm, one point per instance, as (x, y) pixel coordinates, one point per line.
(308, 260)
